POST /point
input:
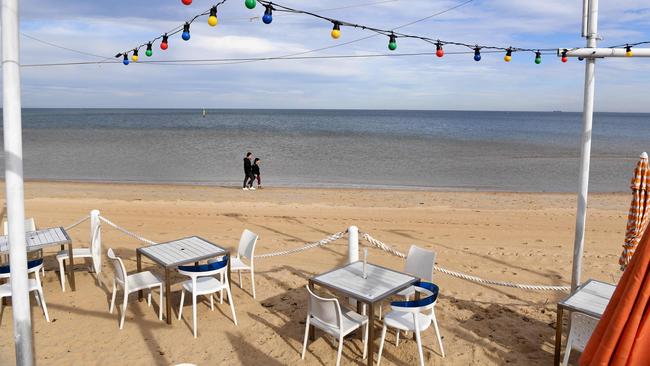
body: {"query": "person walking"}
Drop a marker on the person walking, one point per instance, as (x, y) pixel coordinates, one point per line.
(256, 172)
(248, 172)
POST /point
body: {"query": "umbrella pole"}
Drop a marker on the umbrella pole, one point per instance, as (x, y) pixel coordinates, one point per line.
(13, 155)
(585, 155)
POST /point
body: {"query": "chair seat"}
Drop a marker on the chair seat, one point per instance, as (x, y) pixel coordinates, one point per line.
(204, 285)
(76, 252)
(142, 280)
(404, 320)
(237, 264)
(351, 321)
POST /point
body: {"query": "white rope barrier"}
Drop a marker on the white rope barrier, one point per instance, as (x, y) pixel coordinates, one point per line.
(385, 247)
(127, 232)
(320, 243)
(77, 223)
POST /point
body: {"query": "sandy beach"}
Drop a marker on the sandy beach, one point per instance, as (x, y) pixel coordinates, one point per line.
(519, 237)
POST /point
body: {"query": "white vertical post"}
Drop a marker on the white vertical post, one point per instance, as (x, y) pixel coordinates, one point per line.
(22, 321)
(585, 155)
(353, 244)
(96, 241)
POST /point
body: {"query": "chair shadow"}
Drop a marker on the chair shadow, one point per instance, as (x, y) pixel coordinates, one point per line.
(248, 354)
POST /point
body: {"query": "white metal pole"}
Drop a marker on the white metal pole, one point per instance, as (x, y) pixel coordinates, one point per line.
(353, 244)
(14, 183)
(96, 241)
(585, 155)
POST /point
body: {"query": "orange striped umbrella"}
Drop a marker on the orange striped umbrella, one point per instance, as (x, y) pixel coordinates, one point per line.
(637, 219)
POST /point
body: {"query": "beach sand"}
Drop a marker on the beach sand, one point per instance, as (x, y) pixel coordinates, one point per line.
(519, 237)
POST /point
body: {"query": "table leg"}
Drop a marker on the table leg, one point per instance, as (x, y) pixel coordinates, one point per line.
(73, 285)
(312, 333)
(371, 333)
(168, 296)
(138, 261)
(359, 311)
(558, 336)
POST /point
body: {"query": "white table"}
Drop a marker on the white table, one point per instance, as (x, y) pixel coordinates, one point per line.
(177, 253)
(380, 283)
(39, 239)
(591, 298)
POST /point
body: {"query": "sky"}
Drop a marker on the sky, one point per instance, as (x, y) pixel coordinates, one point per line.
(454, 82)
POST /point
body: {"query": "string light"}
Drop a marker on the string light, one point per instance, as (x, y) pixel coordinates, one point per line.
(628, 50)
(439, 51)
(212, 19)
(149, 51)
(186, 2)
(126, 59)
(564, 57)
(538, 57)
(135, 56)
(508, 56)
(186, 32)
(477, 54)
(392, 42)
(268, 14)
(164, 44)
(336, 30)
(250, 4)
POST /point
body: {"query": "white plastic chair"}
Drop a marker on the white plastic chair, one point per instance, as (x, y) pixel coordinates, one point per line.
(93, 252)
(582, 326)
(30, 225)
(133, 283)
(34, 284)
(203, 282)
(246, 250)
(412, 316)
(326, 315)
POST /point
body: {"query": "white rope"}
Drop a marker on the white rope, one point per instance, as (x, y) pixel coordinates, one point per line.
(127, 232)
(77, 223)
(329, 239)
(385, 247)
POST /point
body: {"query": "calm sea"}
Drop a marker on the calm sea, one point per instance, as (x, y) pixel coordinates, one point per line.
(520, 151)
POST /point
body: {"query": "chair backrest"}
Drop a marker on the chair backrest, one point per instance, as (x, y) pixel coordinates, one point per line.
(430, 292)
(32, 266)
(247, 244)
(205, 270)
(30, 225)
(420, 262)
(120, 271)
(326, 310)
(582, 326)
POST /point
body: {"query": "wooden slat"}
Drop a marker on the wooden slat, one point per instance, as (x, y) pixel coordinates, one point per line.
(592, 298)
(181, 251)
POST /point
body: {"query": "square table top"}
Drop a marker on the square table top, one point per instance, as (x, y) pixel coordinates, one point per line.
(380, 283)
(39, 239)
(182, 251)
(591, 298)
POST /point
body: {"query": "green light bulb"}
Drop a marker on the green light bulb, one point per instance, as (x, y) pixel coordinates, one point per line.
(392, 43)
(251, 4)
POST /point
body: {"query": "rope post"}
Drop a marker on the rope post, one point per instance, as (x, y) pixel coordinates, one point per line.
(96, 240)
(353, 244)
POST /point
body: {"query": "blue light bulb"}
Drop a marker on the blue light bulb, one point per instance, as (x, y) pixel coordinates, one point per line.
(477, 54)
(126, 59)
(268, 15)
(186, 32)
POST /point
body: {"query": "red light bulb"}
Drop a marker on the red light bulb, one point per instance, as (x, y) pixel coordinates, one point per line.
(163, 44)
(439, 51)
(565, 59)
(186, 2)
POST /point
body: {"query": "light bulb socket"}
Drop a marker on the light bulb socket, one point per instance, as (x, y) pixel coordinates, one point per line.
(337, 26)
(213, 11)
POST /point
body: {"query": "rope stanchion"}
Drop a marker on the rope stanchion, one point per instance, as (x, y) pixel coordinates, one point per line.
(125, 231)
(320, 243)
(387, 248)
(77, 223)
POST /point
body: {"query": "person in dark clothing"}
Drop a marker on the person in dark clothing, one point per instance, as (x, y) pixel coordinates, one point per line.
(256, 171)
(248, 172)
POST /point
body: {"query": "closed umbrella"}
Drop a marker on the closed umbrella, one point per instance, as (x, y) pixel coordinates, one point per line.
(622, 336)
(637, 219)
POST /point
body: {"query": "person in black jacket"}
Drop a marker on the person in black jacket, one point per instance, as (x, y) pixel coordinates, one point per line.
(256, 172)
(248, 172)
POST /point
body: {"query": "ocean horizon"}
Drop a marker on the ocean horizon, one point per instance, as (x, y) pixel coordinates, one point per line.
(333, 148)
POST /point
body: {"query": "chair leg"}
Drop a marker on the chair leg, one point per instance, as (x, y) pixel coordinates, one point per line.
(194, 313)
(381, 306)
(113, 298)
(160, 304)
(253, 282)
(180, 309)
(221, 296)
(126, 298)
(239, 278)
(419, 341)
(304, 343)
(365, 340)
(567, 350)
(381, 344)
(43, 305)
(435, 326)
(62, 274)
(232, 304)
(340, 351)
(397, 332)
(149, 298)
(211, 302)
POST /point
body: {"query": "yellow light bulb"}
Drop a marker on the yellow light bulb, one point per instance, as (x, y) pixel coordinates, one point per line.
(336, 34)
(212, 21)
(134, 58)
(507, 58)
(628, 51)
